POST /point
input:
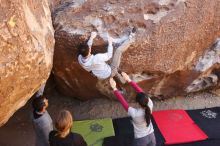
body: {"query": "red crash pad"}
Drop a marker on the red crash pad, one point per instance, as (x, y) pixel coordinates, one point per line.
(177, 127)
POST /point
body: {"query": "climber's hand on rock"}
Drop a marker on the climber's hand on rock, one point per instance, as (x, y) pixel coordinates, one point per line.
(112, 83)
(93, 35)
(125, 76)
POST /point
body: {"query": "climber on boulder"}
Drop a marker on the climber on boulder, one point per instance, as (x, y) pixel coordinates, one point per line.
(96, 64)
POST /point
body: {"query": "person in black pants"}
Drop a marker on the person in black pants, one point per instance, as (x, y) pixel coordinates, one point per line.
(63, 136)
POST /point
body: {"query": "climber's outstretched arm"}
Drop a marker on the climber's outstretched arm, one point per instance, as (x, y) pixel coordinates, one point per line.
(108, 55)
(90, 41)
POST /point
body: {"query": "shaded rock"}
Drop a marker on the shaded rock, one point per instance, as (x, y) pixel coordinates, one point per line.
(209, 65)
(171, 37)
(26, 52)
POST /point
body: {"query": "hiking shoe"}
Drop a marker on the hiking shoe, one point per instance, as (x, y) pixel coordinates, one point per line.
(132, 33)
(134, 30)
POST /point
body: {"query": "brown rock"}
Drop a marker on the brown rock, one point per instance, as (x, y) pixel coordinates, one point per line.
(26, 52)
(171, 37)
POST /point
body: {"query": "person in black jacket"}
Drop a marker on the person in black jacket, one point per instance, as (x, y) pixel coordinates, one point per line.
(63, 136)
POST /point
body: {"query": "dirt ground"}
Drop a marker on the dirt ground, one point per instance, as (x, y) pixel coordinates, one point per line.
(19, 131)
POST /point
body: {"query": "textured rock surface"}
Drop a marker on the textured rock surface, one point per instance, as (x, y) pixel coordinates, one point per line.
(172, 35)
(26, 52)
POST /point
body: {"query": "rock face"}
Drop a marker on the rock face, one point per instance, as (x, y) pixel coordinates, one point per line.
(171, 39)
(26, 52)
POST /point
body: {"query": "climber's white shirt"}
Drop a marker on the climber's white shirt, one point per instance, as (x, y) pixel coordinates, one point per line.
(139, 121)
(97, 63)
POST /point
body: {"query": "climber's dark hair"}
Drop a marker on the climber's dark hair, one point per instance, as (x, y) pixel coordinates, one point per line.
(143, 100)
(83, 49)
(38, 103)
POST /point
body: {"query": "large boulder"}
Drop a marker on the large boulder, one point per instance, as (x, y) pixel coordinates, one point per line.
(172, 38)
(26, 52)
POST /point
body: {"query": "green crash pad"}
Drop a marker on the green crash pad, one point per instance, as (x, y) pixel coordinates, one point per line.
(94, 131)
